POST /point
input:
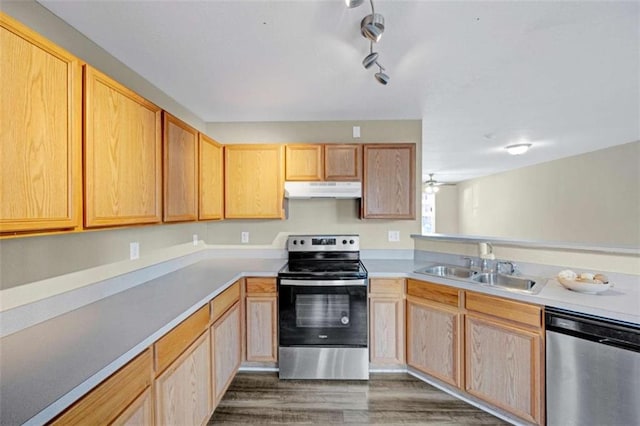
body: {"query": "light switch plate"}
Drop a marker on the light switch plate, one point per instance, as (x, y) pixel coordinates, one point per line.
(394, 236)
(195, 239)
(356, 131)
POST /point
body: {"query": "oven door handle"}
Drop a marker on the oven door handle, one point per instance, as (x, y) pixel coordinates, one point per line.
(323, 283)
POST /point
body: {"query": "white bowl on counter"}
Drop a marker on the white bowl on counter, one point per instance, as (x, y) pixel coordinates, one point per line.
(585, 286)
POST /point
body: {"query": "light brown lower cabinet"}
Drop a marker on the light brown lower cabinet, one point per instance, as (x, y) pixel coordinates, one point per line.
(505, 354)
(139, 413)
(109, 401)
(183, 391)
(386, 321)
(225, 351)
(261, 305)
(434, 343)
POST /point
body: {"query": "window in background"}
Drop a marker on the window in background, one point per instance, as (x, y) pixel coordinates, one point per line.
(428, 213)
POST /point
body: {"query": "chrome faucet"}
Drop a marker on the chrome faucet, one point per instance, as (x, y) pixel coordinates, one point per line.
(471, 262)
(511, 267)
(485, 265)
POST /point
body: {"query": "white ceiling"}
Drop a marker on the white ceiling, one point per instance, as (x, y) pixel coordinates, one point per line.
(564, 76)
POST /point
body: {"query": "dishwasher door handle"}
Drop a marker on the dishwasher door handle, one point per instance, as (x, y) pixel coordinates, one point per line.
(619, 344)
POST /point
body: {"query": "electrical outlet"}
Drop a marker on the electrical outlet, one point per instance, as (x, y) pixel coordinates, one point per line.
(244, 237)
(356, 132)
(195, 239)
(394, 236)
(134, 250)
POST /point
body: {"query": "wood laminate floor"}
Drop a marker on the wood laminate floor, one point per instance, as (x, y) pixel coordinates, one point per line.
(260, 398)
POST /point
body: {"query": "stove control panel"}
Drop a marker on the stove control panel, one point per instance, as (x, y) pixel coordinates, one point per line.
(310, 243)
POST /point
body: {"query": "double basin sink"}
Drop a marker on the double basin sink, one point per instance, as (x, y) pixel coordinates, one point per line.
(527, 285)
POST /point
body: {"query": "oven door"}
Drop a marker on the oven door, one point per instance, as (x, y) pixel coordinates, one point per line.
(323, 313)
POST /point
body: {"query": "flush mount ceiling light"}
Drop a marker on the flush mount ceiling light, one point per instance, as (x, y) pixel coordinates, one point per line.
(371, 28)
(518, 149)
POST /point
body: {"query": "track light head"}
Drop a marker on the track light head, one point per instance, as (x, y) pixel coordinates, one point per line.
(369, 60)
(372, 27)
(353, 3)
(382, 77)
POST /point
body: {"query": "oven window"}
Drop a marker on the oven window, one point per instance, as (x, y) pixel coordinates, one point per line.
(322, 310)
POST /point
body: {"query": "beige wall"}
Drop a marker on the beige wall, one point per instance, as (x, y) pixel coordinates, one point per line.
(321, 216)
(447, 210)
(591, 198)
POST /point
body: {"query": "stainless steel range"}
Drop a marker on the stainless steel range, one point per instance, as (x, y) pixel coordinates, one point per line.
(322, 309)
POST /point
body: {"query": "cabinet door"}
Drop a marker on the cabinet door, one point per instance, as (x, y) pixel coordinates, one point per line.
(389, 181)
(503, 366)
(183, 391)
(433, 340)
(139, 413)
(211, 181)
(343, 162)
(122, 154)
(386, 321)
(180, 170)
(254, 181)
(225, 352)
(303, 162)
(41, 132)
(262, 329)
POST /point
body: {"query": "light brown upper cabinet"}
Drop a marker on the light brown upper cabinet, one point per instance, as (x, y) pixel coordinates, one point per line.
(303, 162)
(389, 181)
(180, 142)
(254, 181)
(211, 179)
(343, 162)
(330, 162)
(122, 154)
(41, 132)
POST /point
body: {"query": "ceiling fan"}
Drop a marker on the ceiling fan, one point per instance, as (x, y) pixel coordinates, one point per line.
(431, 186)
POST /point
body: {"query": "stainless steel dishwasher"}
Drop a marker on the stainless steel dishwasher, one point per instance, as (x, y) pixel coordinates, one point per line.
(593, 370)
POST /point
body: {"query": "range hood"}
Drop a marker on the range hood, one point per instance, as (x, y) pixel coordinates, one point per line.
(323, 189)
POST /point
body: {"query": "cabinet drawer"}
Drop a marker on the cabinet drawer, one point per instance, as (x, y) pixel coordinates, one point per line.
(386, 286)
(225, 300)
(524, 313)
(172, 344)
(256, 286)
(110, 398)
(435, 292)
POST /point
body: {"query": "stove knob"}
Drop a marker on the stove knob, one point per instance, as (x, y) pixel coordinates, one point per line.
(344, 241)
(302, 242)
(295, 242)
(351, 242)
(344, 320)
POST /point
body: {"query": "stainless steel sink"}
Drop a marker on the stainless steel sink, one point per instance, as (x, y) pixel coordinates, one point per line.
(450, 271)
(527, 285)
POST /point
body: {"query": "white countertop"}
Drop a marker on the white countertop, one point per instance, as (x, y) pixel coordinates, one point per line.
(48, 366)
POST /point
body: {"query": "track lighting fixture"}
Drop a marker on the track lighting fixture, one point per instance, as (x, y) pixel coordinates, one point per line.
(371, 28)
